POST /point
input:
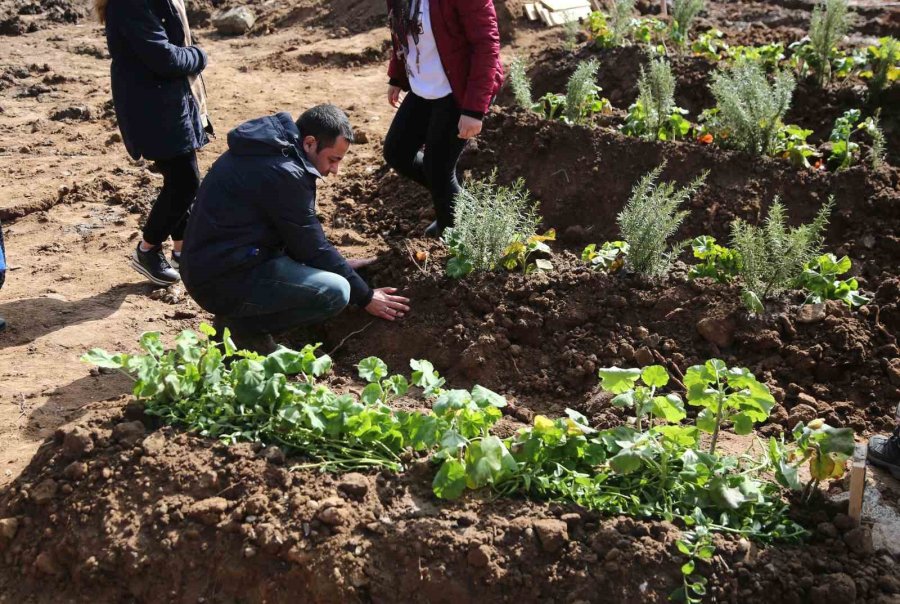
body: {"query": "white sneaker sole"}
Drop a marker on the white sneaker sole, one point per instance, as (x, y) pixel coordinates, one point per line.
(137, 266)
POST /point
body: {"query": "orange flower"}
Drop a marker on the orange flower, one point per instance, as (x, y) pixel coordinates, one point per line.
(819, 165)
(705, 139)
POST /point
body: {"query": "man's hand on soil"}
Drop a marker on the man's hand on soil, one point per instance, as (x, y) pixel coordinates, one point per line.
(394, 96)
(385, 305)
(358, 263)
(469, 127)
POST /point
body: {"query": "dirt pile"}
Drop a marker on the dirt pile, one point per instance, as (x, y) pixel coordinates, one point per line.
(18, 17)
(115, 510)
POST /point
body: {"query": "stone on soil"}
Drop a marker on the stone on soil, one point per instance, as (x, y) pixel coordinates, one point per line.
(234, 22)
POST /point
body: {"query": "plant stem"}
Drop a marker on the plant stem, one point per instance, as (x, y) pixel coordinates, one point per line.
(715, 437)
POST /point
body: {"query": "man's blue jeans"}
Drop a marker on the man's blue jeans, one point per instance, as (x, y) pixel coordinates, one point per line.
(279, 295)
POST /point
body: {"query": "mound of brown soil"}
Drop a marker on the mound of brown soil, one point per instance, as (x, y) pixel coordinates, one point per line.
(110, 512)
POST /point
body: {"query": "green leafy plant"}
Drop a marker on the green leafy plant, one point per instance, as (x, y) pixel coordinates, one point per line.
(768, 56)
(749, 110)
(726, 395)
(643, 398)
(697, 545)
(650, 31)
(650, 218)
(598, 30)
(824, 448)
(654, 114)
(684, 12)
(621, 19)
(489, 217)
(609, 257)
(844, 150)
(520, 253)
(520, 84)
(710, 45)
(791, 145)
(552, 105)
(828, 26)
(821, 277)
(773, 255)
(718, 262)
(882, 63)
(583, 99)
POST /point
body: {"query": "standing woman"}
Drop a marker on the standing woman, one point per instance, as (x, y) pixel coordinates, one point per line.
(446, 56)
(160, 102)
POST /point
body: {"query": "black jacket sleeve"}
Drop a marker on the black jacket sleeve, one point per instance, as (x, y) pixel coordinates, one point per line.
(148, 39)
(291, 207)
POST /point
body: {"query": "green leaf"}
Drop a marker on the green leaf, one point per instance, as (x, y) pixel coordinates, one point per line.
(450, 481)
(208, 330)
(250, 380)
(458, 267)
(618, 380)
(151, 343)
(284, 361)
(371, 394)
(655, 376)
(625, 461)
(624, 400)
(724, 495)
(372, 369)
(742, 424)
(321, 365)
(396, 385)
(752, 302)
(669, 407)
(688, 567)
(187, 345)
(484, 397)
(101, 358)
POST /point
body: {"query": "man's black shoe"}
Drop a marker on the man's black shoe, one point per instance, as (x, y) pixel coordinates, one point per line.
(2, 324)
(154, 266)
(884, 452)
(260, 343)
(434, 230)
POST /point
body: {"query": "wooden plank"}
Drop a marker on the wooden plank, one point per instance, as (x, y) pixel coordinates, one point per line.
(558, 5)
(561, 17)
(857, 483)
(531, 11)
(663, 8)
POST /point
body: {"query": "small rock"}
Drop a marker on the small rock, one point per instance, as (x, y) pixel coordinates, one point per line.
(44, 492)
(8, 528)
(46, 564)
(154, 443)
(859, 540)
(811, 313)
(467, 519)
(360, 137)
(805, 399)
(354, 484)
(352, 238)
(333, 516)
(843, 522)
(77, 443)
(128, 433)
(718, 331)
(801, 413)
(552, 533)
(837, 588)
(207, 511)
(234, 22)
(75, 470)
(480, 556)
(827, 529)
(643, 356)
(79, 113)
(893, 371)
(273, 455)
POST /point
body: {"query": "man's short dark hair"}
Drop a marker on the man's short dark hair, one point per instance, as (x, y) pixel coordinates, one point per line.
(326, 123)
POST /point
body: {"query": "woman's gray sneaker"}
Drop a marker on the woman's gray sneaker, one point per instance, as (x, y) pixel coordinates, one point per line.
(153, 265)
(884, 452)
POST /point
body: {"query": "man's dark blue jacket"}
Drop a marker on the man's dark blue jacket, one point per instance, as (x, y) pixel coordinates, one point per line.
(257, 202)
(158, 116)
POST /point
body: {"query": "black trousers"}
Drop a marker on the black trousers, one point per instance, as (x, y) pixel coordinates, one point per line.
(168, 217)
(434, 124)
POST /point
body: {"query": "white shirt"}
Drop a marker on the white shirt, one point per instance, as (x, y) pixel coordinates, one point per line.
(427, 78)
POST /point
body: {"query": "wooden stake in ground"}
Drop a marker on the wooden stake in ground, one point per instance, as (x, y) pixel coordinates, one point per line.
(663, 9)
(857, 483)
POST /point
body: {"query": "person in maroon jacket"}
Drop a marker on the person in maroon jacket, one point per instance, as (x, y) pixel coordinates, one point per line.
(446, 57)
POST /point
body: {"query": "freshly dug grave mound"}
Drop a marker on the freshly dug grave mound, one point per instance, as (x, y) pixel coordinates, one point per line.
(540, 339)
(112, 512)
(812, 107)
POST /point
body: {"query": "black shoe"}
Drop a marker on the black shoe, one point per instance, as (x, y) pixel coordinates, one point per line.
(2, 324)
(884, 452)
(260, 343)
(434, 230)
(154, 266)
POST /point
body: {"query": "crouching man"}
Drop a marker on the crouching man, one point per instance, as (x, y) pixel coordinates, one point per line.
(255, 254)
